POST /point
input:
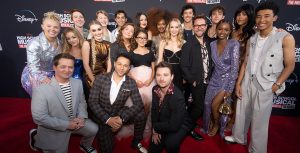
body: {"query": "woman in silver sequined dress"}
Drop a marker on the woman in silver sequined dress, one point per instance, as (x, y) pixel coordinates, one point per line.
(40, 52)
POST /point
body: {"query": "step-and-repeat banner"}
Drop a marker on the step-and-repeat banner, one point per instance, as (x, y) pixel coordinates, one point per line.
(21, 20)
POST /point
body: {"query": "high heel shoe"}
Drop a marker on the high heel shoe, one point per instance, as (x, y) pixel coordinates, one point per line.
(213, 131)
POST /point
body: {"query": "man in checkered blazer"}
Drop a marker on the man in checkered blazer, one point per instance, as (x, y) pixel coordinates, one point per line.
(107, 99)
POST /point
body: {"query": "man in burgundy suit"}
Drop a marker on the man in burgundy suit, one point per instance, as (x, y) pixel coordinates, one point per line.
(107, 99)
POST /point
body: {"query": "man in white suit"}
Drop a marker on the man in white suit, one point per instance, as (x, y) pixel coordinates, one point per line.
(59, 109)
(270, 61)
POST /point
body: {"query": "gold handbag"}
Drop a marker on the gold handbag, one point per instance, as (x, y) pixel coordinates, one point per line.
(225, 107)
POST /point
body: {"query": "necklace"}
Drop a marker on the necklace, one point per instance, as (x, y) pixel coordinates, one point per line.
(261, 41)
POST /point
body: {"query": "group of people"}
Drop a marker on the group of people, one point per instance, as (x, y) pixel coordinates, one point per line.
(140, 78)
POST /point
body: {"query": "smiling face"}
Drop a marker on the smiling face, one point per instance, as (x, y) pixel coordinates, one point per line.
(96, 31)
(242, 18)
(217, 16)
(103, 19)
(120, 19)
(64, 70)
(199, 27)
(188, 15)
(50, 28)
(72, 39)
(128, 32)
(174, 28)
(143, 21)
(78, 19)
(141, 39)
(223, 30)
(163, 77)
(122, 66)
(264, 19)
(161, 26)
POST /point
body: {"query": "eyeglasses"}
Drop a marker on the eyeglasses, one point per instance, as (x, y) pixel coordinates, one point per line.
(198, 26)
(142, 38)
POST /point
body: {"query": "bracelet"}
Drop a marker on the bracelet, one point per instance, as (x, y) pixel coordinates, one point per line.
(278, 84)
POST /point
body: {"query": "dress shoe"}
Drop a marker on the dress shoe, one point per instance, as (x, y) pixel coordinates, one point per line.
(196, 136)
(138, 146)
(230, 139)
(32, 133)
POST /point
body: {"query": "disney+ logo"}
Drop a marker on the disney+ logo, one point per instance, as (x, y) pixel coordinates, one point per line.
(26, 16)
(292, 27)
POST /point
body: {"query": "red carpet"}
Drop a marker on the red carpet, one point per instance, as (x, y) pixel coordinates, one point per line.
(16, 121)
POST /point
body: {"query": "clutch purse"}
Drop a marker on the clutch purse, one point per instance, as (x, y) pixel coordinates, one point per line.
(225, 107)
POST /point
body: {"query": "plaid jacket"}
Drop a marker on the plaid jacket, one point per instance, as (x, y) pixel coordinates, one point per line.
(99, 100)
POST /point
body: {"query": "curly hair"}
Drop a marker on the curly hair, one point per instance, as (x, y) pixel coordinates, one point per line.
(180, 38)
(154, 16)
(120, 39)
(66, 47)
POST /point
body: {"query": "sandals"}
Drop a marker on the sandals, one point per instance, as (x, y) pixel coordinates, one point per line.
(213, 131)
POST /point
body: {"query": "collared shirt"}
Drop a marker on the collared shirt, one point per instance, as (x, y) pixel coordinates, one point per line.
(114, 89)
(205, 62)
(114, 34)
(260, 42)
(159, 93)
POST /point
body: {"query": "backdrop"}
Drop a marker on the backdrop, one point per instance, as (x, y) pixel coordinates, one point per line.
(21, 20)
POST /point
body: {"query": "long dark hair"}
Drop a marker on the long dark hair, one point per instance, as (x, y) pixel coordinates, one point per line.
(248, 30)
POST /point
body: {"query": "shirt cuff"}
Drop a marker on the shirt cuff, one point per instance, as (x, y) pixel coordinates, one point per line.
(107, 120)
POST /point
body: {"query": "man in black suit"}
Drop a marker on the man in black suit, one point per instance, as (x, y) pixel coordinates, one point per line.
(196, 65)
(170, 119)
(107, 103)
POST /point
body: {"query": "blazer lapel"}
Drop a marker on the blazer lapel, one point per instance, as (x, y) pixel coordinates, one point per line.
(74, 96)
(108, 86)
(58, 92)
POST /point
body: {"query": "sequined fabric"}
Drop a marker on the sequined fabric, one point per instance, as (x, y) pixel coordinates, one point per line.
(78, 69)
(39, 62)
(99, 52)
(223, 78)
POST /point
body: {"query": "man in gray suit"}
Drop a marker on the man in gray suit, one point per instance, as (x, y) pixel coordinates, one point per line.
(59, 109)
(270, 61)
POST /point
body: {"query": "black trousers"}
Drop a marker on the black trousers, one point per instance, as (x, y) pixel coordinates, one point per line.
(105, 135)
(170, 141)
(197, 106)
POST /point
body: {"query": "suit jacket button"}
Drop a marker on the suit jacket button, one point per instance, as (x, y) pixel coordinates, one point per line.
(272, 55)
(270, 65)
(268, 75)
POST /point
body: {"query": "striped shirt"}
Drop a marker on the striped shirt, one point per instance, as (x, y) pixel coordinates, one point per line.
(66, 89)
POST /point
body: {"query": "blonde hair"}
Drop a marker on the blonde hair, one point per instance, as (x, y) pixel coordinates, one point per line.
(52, 15)
(180, 38)
(102, 12)
(66, 47)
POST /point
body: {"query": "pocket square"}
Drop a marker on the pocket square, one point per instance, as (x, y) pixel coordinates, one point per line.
(125, 90)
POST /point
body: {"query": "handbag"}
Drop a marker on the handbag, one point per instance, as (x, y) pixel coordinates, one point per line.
(225, 107)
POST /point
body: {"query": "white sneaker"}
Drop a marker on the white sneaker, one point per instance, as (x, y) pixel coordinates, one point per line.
(230, 139)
